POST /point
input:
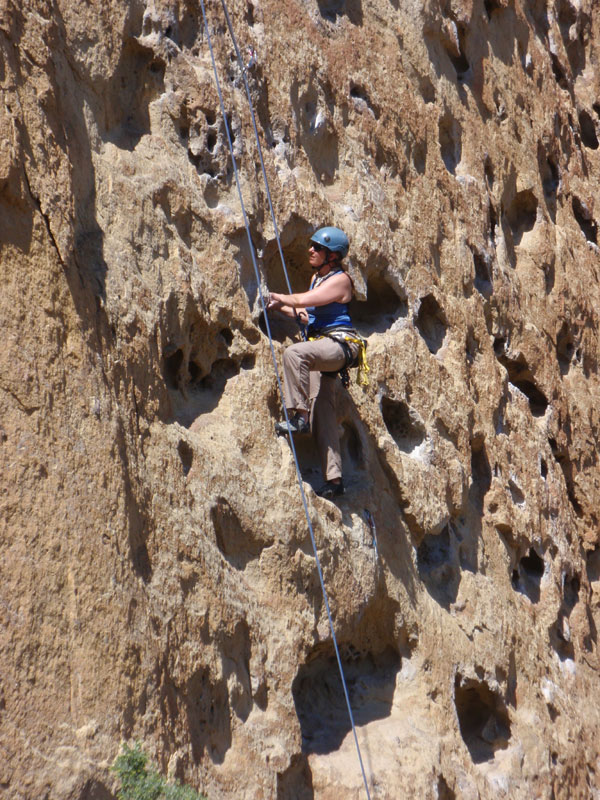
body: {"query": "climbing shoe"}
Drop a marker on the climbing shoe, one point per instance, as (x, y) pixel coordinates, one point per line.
(297, 424)
(331, 489)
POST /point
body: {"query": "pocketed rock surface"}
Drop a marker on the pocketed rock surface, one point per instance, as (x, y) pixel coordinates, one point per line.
(158, 579)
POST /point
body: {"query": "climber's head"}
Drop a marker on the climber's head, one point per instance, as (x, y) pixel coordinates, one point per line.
(327, 246)
(333, 239)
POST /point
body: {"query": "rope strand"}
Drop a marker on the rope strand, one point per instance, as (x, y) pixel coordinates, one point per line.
(273, 356)
(260, 157)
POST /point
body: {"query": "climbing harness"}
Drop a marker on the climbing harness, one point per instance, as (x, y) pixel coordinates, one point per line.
(343, 335)
(273, 357)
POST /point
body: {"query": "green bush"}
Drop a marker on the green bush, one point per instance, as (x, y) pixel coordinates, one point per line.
(140, 781)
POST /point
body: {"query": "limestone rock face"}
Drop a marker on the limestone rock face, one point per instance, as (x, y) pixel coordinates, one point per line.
(158, 578)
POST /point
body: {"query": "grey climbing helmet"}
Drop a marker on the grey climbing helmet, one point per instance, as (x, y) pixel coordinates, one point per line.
(333, 239)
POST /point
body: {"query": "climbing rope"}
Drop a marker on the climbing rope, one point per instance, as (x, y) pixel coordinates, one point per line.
(273, 356)
(244, 71)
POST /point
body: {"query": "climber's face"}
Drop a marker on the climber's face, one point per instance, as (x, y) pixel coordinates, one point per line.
(317, 255)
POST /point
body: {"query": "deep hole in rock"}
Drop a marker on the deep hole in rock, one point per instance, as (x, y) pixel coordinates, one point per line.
(559, 454)
(588, 130)
(238, 545)
(296, 782)
(221, 371)
(211, 141)
(560, 638)
(590, 640)
(472, 347)
(549, 275)
(186, 454)
(527, 575)
(491, 6)
(521, 376)
(543, 469)
(483, 273)
(576, 52)
(173, 363)
(499, 346)
(575, 504)
(418, 157)
(565, 348)
(459, 60)
(488, 171)
(571, 588)
(560, 73)
(403, 424)
(351, 446)
(493, 219)
(481, 474)
(312, 106)
(227, 336)
(358, 92)
(592, 561)
(319, 696)
(332, 9)
(383, 306)
(96, 790)
(516, 493)
(208, 716)
(562, 459)
(427, 89)
(549, 173)
(521, 214)
(482, 716)
(137, 81)
(188, 30)
(585, 220)
(140, 558)
(194, 371)
(444, 792)
(567, 17)
(431, 323)
(450, 138)
(438, 566)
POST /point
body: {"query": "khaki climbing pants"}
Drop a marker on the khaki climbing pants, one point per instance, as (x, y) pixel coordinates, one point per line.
(307, 390)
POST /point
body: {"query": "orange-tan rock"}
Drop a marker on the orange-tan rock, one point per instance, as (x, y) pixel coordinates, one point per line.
(158, 580)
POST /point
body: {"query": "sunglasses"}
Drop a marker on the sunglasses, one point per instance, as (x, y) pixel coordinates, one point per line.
(316, 247)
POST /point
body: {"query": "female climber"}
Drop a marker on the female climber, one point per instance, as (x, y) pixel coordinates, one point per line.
(310, 368)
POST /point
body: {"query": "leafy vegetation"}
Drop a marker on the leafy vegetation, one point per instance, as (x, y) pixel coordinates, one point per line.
(142, 781)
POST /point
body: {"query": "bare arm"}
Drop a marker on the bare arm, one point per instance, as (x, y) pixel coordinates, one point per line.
(337, 289)
(288, 311)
